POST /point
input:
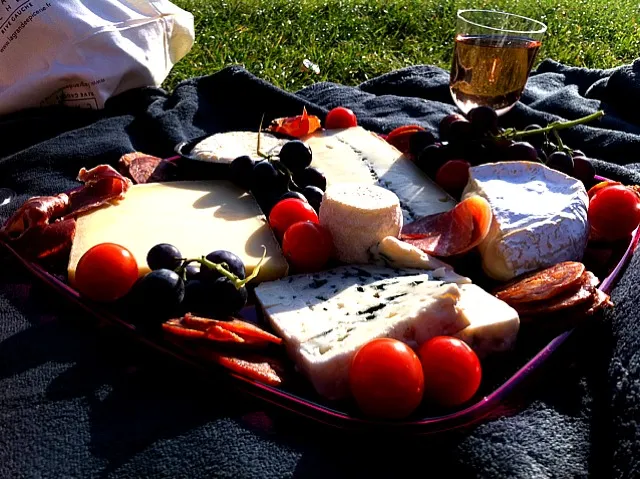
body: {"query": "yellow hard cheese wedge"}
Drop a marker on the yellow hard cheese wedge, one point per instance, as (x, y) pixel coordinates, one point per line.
(196, 217)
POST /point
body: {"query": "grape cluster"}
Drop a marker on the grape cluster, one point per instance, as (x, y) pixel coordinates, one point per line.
(477, 138)
(176, 285)
(289, 175)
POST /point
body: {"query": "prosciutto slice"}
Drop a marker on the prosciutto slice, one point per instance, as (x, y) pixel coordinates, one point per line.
(453, 232)
(44, 226)
(143, 168)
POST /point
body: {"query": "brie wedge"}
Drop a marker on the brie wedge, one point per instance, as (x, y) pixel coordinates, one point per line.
(539, 217)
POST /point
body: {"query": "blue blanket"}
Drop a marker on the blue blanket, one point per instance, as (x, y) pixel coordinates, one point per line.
(81, 401)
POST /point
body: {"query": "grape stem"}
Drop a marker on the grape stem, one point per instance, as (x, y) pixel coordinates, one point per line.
(559, 140)
(512, 133)
(220, 268)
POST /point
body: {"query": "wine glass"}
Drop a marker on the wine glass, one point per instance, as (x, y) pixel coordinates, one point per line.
(492, 58)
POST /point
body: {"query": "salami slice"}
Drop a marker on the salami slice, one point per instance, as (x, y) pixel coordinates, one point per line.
(453, 232)
(565, 301)
(543, 285)
(143, 168)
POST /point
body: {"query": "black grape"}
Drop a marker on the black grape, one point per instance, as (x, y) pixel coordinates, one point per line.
(195, 297)
(192, 271)
(241, 172)
(583, 169)
(445, 124)
(561, 161)
(314, 196)
(419, 141)
(311, 177)
(264, 176)
(521, 151)
(295, 155)
(234, 265)
(460, 131)
(484, 120)
(164, 255)
(156, 296)
(292, 194)
(432, 158)
(225, 298)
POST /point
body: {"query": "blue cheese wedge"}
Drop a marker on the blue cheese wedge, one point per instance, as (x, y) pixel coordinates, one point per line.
(325, 318)
(539, 217)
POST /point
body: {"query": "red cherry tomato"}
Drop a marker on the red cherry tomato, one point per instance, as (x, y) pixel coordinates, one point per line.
(290, 211)
(453, 176)
(340, 117)
(599, 186)
(106, 272)
(386, 379)
(614, 212)
(307, 246)
(452, 371)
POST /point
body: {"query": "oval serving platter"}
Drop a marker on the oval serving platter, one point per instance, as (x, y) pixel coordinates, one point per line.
(503, 390)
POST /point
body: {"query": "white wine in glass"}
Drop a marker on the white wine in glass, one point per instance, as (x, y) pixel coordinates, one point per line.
(493, 56)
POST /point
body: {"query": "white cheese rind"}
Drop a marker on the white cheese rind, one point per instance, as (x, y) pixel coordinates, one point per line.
(326, 317)
(358, 216)
(227, 146)
(493, 324)
(539, 217)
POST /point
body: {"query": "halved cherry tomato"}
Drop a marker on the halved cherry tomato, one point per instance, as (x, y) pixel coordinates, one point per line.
(307, 246)
(340, 117)
(401, 137)
(106, 272)
(290, 211)
(614, 212)
(386, 379)
(599, 186)
(452, 371)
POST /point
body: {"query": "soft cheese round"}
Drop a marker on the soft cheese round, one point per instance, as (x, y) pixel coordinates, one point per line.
(539, 217)
(225, 147)
(359, 216)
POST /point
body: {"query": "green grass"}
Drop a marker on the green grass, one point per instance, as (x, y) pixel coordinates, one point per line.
(355, 40)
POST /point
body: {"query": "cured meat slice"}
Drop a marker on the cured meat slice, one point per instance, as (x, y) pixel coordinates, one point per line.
(44, 226)
(102, 184)
(36, 211)
(143, 168)
(543, 285)
(567, 300)
(453, 232)
(218, 333)
(243, 330)
(259, 368)
(601, 300)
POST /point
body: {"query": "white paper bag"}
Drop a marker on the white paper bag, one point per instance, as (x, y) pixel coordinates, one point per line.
(79, 53)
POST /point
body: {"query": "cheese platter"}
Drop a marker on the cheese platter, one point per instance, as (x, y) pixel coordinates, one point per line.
(370, 282)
